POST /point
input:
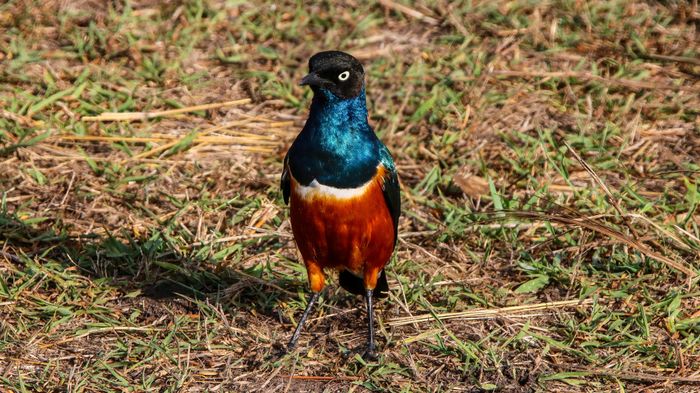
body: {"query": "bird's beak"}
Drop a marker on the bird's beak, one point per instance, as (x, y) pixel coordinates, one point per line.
(312, 80)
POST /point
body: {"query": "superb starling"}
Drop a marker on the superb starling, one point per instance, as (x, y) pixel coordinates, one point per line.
(342, 187)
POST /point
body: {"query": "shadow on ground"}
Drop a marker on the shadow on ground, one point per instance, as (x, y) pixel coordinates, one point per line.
(153, 267)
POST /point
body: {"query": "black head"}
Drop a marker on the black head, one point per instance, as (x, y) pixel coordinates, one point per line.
(337, 72)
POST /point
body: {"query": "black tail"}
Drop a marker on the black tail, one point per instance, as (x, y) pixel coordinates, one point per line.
(356, 285)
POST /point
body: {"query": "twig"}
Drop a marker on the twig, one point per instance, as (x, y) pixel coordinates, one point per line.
(169, 145)
(236, 238)
(409, 11)
(637, 376)
(262, 140)
(320, 377)
(11, 257)
(632, 84)
(128, 116)
(673, 237)
(677, 59)
(486, 313)
(70, 185)
(254, 149)
(605, 188)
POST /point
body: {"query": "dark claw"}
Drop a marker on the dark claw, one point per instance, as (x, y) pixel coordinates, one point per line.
(277, 352)
(370, 355)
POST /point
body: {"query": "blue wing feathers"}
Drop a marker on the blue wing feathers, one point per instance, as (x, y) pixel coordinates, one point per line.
(284, 180)
(391, 188)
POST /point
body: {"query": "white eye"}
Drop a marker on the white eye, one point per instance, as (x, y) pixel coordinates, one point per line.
(344, 75)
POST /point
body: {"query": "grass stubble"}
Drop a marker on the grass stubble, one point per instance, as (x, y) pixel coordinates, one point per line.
(549, 156)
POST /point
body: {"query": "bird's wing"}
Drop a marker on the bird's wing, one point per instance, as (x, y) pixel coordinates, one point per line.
(284, 180)
(391, 189)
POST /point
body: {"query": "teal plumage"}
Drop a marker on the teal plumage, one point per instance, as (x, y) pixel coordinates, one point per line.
(337, 146)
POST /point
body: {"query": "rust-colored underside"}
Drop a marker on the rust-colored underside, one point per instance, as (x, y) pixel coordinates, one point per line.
(356, 234)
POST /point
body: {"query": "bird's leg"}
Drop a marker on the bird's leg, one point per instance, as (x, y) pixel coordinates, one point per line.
(297, 332)
(371, 352)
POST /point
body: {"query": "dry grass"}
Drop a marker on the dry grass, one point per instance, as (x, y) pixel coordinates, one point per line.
(548, 153)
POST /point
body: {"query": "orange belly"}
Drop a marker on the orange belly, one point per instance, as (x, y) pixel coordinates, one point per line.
(354, 233)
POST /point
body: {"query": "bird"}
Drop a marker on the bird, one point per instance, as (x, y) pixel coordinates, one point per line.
(342, 188)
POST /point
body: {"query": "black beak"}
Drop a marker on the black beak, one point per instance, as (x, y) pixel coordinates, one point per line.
(312, 80)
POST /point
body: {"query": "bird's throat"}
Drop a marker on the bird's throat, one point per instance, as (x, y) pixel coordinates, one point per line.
(329, 113)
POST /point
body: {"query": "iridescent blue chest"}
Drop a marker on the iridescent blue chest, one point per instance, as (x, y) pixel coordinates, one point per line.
(337, 147)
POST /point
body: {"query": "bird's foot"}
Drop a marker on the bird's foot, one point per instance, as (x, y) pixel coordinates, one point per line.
(370, 354)
(291, 345)
(278, 352)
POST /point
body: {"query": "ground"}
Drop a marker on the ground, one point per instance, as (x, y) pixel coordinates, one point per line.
(549, 157)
